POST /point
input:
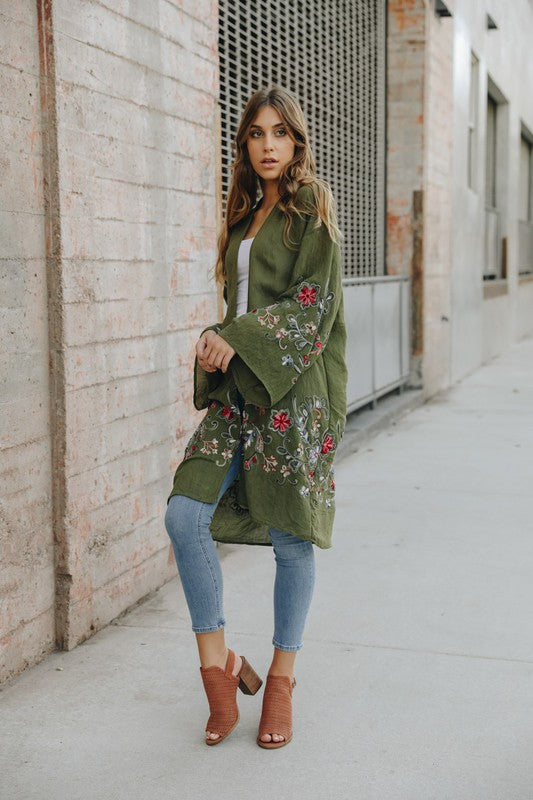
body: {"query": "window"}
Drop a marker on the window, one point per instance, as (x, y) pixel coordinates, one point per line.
(490, 162)
(492, 265)
(525, 212)
(472, 122)
(525, 199)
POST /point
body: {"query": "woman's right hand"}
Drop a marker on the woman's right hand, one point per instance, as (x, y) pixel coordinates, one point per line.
(201, 345)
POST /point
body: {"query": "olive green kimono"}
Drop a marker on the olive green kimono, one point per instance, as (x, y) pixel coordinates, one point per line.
(289, 366)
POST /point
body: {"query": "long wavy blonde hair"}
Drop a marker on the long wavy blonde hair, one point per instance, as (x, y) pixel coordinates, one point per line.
(245, 183)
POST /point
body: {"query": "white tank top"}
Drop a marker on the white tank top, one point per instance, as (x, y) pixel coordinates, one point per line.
(243, 266)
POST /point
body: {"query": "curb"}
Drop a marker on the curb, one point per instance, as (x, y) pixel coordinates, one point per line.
(363, 425)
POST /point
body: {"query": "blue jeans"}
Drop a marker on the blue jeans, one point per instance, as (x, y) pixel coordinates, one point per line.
(187, 522)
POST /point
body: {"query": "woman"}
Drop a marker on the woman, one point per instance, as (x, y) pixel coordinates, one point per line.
(258, 468)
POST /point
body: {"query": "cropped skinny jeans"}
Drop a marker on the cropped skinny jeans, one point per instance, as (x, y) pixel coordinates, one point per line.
(187, 523)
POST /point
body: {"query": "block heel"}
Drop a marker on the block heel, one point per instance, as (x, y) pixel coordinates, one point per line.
(249, 680)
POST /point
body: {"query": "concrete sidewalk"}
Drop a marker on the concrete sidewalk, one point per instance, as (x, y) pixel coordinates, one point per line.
(416, 679)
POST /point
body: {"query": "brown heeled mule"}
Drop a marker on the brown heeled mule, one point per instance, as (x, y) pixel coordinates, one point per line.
(276, 716)
(221, 689)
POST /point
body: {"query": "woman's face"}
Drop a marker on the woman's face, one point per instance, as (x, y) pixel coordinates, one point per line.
(269, 139)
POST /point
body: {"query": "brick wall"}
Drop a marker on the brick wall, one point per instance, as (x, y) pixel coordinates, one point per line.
(406, 52)
(419, 178)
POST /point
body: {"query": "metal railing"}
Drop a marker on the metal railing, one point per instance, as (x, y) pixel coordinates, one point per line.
(377, 314)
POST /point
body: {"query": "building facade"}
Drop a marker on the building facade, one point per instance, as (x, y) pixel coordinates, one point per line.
(116, 131)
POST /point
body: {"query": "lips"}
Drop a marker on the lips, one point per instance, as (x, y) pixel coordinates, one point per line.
(269, 161)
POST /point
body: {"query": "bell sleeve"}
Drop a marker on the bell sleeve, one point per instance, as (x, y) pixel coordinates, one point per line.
(204, 382)
(277, 343)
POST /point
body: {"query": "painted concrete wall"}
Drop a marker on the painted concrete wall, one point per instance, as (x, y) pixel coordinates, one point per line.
(130, 121)
(484, 323)
(26, 539)
(438, 198)
(136, 97)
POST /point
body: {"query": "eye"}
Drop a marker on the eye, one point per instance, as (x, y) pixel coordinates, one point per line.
(282, 131)
(252, 134)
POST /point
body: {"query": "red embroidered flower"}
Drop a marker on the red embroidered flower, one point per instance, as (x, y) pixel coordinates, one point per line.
(327, 444)
(318, 345)
(307, 296)
(213, 404)
(254, 310)
(332, 484)
(246, 464)
(306, 358)
(227, 412)
(254, 459)
(311, 472)
(281, 421)
(193, 447)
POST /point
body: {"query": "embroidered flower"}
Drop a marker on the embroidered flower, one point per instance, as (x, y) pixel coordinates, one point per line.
(313, 455)
(281, 333)
(307, 295)
(327, 444)
(270, 464)
(227, 412)
(269, 319)
(210, 446)
(281, 420)
(287, 361)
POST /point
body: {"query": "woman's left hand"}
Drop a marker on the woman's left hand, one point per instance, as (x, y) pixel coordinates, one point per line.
(218, 353)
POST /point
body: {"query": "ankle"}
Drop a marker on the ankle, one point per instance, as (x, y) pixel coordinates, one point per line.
(216, 658)
(280, 671)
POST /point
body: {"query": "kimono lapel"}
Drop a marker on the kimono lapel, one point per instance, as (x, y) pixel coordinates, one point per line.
(237, 235)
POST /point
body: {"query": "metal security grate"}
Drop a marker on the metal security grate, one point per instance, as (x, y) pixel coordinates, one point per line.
(332, 56)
